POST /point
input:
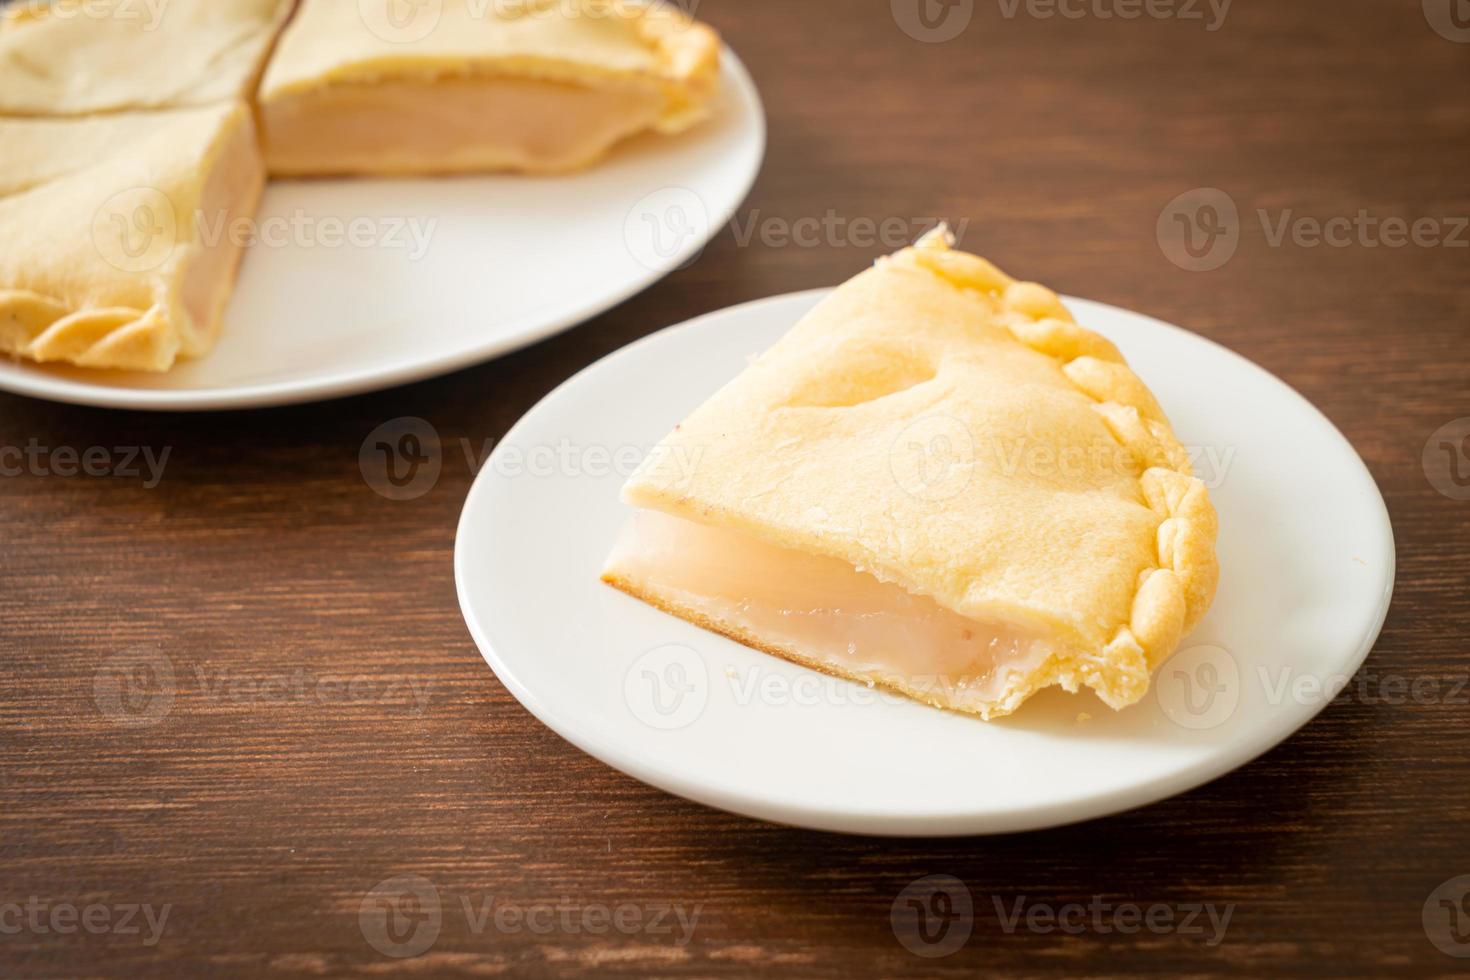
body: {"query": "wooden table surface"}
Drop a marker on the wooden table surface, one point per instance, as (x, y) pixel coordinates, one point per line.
(329, 725)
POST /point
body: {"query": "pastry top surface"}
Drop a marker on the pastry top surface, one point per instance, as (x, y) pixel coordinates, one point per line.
(76, 57)
(39, 150)
(581, 41)
(98, 218)
(949, 429)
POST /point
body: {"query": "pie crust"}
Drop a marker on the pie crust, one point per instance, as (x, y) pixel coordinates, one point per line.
(532, 86)
(77, 57)
(115, 112)
(119, 234)
(941, 428)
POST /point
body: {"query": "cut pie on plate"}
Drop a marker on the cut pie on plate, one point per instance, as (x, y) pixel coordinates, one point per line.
(75, 57)
(394, 87)
(118, 236)
(939, 483)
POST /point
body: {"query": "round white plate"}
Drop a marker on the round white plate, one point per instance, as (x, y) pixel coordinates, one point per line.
(1307, 565)
(354, 285)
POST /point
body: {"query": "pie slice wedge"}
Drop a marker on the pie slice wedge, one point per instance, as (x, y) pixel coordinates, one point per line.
(79, 57)
(119, 234)
(938, 483)
(538, 86)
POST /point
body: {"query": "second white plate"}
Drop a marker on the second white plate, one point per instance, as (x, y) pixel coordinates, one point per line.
(354, 285)
(1307, 565)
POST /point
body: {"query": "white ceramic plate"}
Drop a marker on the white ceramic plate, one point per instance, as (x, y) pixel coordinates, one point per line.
(358, 285)
(1307, 565)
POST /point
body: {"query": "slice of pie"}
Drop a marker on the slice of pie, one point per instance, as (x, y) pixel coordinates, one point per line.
(939, 483)
(76, 57)
(119, 234)
(398, 87)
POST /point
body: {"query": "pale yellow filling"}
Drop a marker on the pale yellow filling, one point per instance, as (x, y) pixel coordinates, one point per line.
(451, 125)
(821, 612)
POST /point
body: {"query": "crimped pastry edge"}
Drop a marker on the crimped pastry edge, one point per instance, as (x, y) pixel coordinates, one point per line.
(45, 329)
(1169, 596)
(1173, 595)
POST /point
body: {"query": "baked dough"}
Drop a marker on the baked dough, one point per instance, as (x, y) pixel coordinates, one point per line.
(76, 57)
(939, 483)
(131, 153)
(469, 85)
(119, 234)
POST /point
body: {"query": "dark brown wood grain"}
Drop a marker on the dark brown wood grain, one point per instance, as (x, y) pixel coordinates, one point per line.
(263, 816)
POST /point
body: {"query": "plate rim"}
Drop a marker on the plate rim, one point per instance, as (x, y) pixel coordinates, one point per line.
(945, 823)
(68, 391)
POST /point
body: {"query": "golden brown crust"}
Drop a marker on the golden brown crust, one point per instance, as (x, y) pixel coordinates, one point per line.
(1111, 558)
(625, 67)
(647, 45)
(119, 56)
(1174, 595)
(80, 298)
(689, 55)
